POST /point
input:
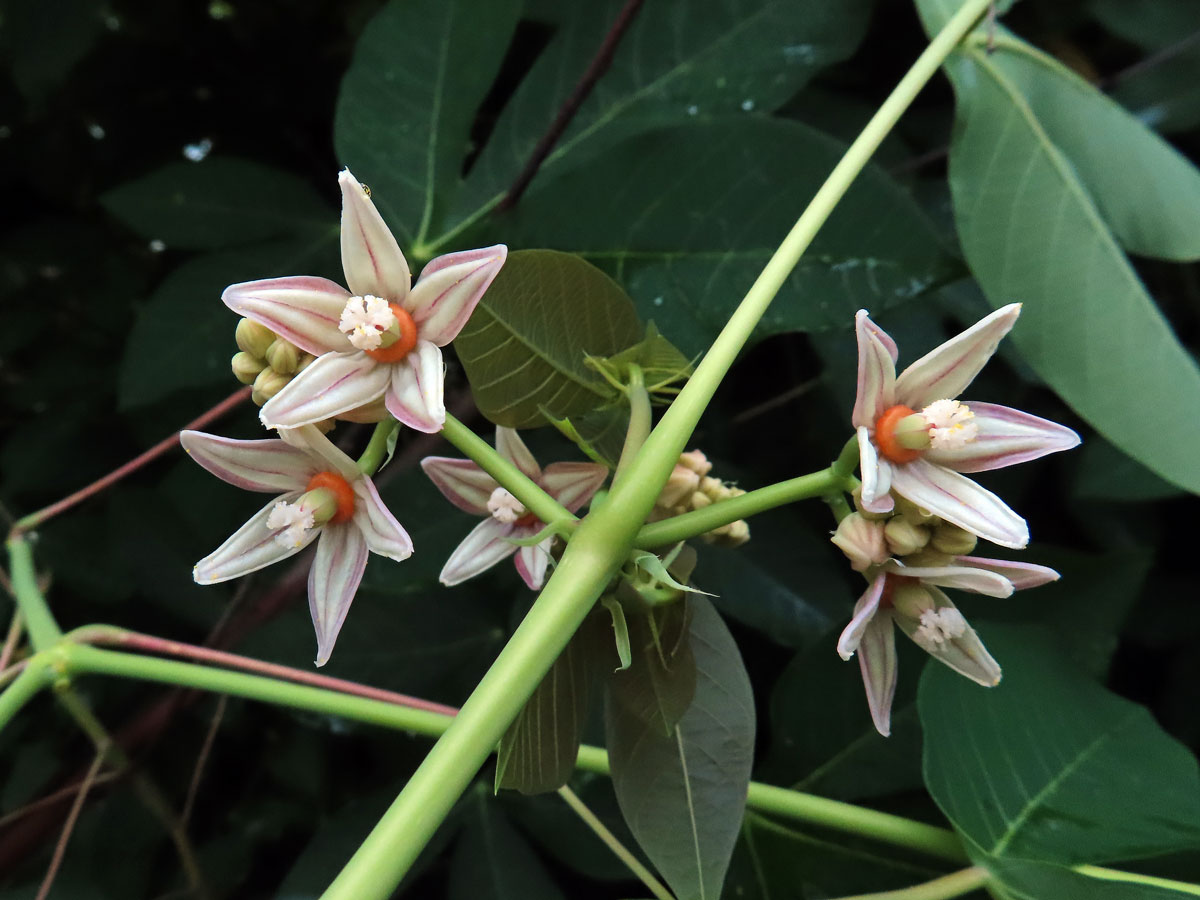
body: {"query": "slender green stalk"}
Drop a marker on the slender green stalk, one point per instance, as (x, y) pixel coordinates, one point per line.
(640, 419)
(39, 622)
(644, 875)
(1138, 878)
(36, 676)
(953, 885)
(847, 460)
(681, 527)
(516, 482)
(372, 457)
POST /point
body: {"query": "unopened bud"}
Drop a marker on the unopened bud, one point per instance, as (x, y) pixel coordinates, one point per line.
(306, 359)
(953, 540)
(700, 500)
(696, 461)
(267, 385)
(912, 599)
(711, 486)
(928, 559)
(862, 541)
(253, 337)
(903, 537)
(732, 535)
(246, 367)
(679, 486)
(913, 513)
(283, 357)
(865, 513)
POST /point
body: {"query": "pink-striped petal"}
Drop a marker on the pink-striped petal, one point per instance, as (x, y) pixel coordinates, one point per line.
(532, 563)
(573, 483)
(876, 372)
(864, 610)
(963, 578)
(324, 453)
(1020, 575)
(375, 411)
(461, 482)
(250, 548)
(333, 580)
(1006, 437)
(485, 546)
(511, 447)
(415, 394)
(371, 258)
(876, 476)
(960, 501)
(333, 384)
(877, 662)
(302, 309)
(449, 289)
(270, 466)
(964, 654)
(945, 371)
(384, 535)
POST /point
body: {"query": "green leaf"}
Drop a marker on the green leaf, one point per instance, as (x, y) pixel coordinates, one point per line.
(687, 216)
(1039, 767)
(1166, 97)
(524, 347)
(537, 753)
(1025, 880)
(620, 631)
(404, 114)
(1102, 472)
(660, 684)
(1031, 230)
(683, 794)
(677, 62)
(221, 202)
(493, 862)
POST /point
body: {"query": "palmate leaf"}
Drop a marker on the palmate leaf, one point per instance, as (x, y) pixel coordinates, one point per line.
(683, 794)
(686, 217)
(1040, 766)
(1041, 214)
(525, 346)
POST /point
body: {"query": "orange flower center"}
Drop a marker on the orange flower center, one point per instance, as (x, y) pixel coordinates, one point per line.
(341, 490)
(885, 435)
(527, 520)
(403, 344)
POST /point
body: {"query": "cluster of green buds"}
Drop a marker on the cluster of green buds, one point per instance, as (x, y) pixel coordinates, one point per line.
(265, 360)
(908, 533)
(690, 487)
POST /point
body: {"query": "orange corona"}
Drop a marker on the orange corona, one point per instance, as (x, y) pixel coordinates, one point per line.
(341, 490)
(885, 435)
(404, 343)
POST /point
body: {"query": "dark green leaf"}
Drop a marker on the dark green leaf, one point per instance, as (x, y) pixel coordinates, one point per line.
(1039, 767)
(660, 685)
(1026, 880)
(686, 218)
(683, 795)
(525, 345)
(620, 630)
(1166, 97)
(43, 44)
(404, 115)
(221, 202)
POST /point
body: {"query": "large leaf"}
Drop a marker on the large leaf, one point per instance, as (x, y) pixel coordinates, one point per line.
(1040, 766)
(1025, 880)
(686, 218)
(525, 345)
(683, 794)
(404, 114)
(1032, 230)
(221, 202)
(678, 61)
(660, 684)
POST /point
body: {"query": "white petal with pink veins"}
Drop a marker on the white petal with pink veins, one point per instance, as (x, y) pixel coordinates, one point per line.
(384, 535)
(511, 447)
(324, 453)
(486, 545)
(302, 309)
(1020, 575)
(1004, 437)
(450, 288)
(532, 563)
(462, 482)
(864, 610)
(371, 258)
(876, 476)
(945, 371)
(964, 653)
(250, 548)
(963, 578)
(573, 483)
(415, 394)
(960, 501)
(334, 383)
(877, 662)
(876, 372)
(270, 465)
(336, 572)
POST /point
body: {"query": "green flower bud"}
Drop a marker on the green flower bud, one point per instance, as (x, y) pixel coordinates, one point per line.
(903, 537)
(867, 514)
(953, 540)
(913, 513)
(910, 600)
(928, 559)
(254, 338)
(267, 385)
(283, 357)
(246, 367)
(862, 541)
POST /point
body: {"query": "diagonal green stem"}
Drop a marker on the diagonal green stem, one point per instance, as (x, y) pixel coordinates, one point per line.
(375, 453)
(39, 622)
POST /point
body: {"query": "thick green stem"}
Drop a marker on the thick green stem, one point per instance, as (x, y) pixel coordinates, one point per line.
(953, 885)
(847, 460)
(39, 622)
(681, 527)
(372, 457)
(516, 482)
(36, 676)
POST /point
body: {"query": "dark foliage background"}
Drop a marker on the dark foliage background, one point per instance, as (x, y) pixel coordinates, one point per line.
(113, 336)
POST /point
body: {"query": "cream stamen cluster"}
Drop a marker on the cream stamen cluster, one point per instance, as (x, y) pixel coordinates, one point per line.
(940, 625)
(364, 320)
(291, 522)
(504, 507)
(950, 425)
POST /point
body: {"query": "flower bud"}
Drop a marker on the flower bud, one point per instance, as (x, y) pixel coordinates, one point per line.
(903, 537)
(699, 500)
(682, 483)
(283, 357)
(913, 513)
(254, 338)
(732, 535)
(267, 385)
(862, 541)
(911, 598)
(246, 367)
(953, 540)
(865, 513)
(696, 461)
(928, 559)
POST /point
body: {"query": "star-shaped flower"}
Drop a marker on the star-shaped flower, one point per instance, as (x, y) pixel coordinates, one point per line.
(911, 598)
(915, 439)
(379, 340)
(321, 494)
(473, 490)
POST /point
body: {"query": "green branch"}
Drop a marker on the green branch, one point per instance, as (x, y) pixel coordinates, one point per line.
(39, 621)
(372, 457)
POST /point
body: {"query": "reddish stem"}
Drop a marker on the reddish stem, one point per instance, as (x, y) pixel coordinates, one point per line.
(60, 849)
(37, 518)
